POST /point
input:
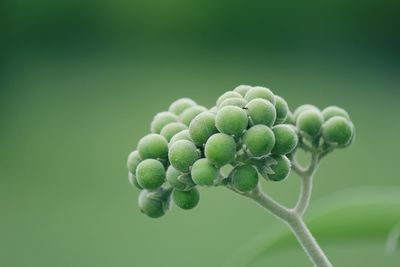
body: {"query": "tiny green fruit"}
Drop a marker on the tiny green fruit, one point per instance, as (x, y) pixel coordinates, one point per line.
(182, 135)
(310, 122)
(153, 146)
(189, 114)
(242, 89)
(204, 173)
(220, 149)
(231, 120)
(237, 102)
(333, 111)
(182, 154)
(227, 95)
(260, 92)
(179, 180)
(171, 129)
(261, 111)
(202, 127)
(244, 178)
(338, 130)
(186, 199)
(150, 174)
(285, 139)
(133, 181)
(161, 119)
(259, 140)
(180, 105)
(302, 108)
(133, 160)
(150, 205)
(280, 168)
(282, 109)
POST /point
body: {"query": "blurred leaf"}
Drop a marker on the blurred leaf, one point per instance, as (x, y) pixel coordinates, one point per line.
(368, 213)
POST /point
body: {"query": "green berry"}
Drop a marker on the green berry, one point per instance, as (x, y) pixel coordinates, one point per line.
(204, 173)
(189, 114)
(282, 109)
(153, 146)
(133, 181)
(285, 139)
(280, 168)
(310, 122)
(162, 119)
(245, 178)
(338, 130)
(333, 111)
(220, 149)
(261, 111)
(260, 92)
(259, 140)
(186, 199)
(150, 205)
(213, 110)
(231, 120)
(133, 160)
(171, 129)
(179, 180)
(182, 135)
(226, 95)
(182, 155)
(242, 89)
(150, 174)
(237, 102)
(202, 127)
(290, 119)
(180, 105)
(302, 108)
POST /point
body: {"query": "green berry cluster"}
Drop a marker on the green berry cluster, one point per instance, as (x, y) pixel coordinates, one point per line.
(250, 129)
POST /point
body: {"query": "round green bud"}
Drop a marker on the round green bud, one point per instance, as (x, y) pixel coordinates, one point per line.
(261, 111)
(220, 149)
(204, 173)
(259, 140)
(280, 168)
(202, 127)
(310, 122)
(133, 160)
(161, 119)
(333, 111)
(133, 181)
(285, 139)
(213, 110)
(245, 178)
(282, 109)
(186, 199)
(180, 105)
(179, 180)
(153, 146)
(242, 89)
(338, 130)
(237, 102)
(149, 205)
(182, 135)
(189, 114)
(226, 95)
(302, 108)
(182, 154)
(290, 119)
(150, 174)
(260, 92)
(231, 120)
(171, 129)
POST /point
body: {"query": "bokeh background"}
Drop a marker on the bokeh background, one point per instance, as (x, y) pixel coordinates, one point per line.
(81, 80)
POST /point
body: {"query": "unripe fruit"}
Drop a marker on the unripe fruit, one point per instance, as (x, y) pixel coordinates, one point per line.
(186, 199)
(204, 173)
(182, 154)
(338, 130)
(285, 139)
(202, 127)
(290, 119)
(282, 109)
(153, 146)
(189, 114)
(260, 92)
(220, 149)
(259, 140)
(133, 160)
(237, 102)
(180, 105)
(261, 111)
(179, 180)
(231, 120)
(213, 110)
(150, 206)
(133, 181)
(333, 111)
(302, 108)
(281, 169)
(161, 119)
(171, 129)
(150, 174)
(245, 178)
(310, 122)
(226, 95)
(183, 135)
(242, 89)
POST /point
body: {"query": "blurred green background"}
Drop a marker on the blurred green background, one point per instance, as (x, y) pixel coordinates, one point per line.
(81, 80)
